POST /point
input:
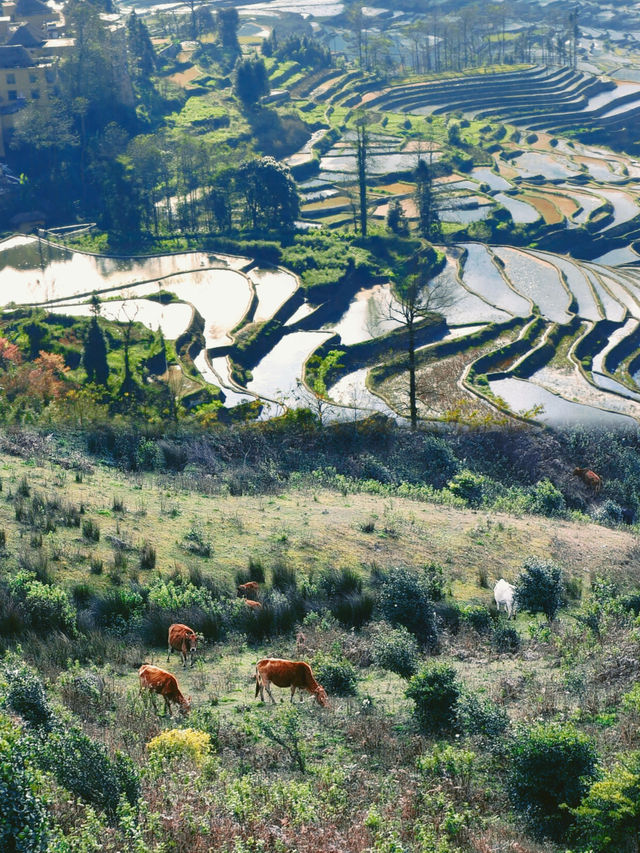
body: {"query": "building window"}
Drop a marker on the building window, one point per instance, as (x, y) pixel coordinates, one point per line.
(11, 78)
(35, 94)
(13, 95)
(33, 78)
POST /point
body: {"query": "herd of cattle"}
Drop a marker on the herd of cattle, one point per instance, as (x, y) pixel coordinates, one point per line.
(283, 673)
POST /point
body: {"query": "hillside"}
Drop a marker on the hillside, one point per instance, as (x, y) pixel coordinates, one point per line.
(130, 552)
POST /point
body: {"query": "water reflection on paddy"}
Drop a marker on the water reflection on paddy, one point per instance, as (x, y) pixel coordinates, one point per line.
(367, 316)
(521, 396)
(272, 288)
(277, 375)
(172, 319)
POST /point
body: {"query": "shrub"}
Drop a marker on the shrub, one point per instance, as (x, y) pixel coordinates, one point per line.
(84, 768)
(337, 582)
(609, 512)
(481, 716)
(147, 556)
(434, 581)
(551, 770)
(477, 617)
(468, 486)
(91, 530)
(435, 691)
(608, 819)
(46, 608)
(256, 570)
(96, 566)
(547, 500)
(395, 649)
(25, 696)
(540, 588)
(353, 610)
(337, 675)
(177, 744)
(24, 821)
(403, 600)
(117, 607)
(195, 542)
(283, 578)
(505, 639)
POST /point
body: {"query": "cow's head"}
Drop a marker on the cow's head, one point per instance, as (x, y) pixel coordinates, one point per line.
(192, 642)
(185, 706)
(321, 696)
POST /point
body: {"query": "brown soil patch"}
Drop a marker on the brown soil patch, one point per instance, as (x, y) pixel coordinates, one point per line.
(183, 78)
(545, 207)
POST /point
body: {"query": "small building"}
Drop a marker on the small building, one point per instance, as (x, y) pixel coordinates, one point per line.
(33, 12)
(23, 78)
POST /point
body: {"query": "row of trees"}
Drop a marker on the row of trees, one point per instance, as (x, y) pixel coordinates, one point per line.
(477, 36)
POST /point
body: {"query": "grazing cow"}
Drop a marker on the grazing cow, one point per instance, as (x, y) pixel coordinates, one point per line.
(159, 681)
(183, 639)
(504, 593)
(250, 588)
(254, 605)
(589, 478)
(288, 673)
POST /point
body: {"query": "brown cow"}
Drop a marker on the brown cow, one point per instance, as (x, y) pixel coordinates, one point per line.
(159, 681)
(288, 673)
(254, 605)
(589, 478)
(248, 589)
(183, 639)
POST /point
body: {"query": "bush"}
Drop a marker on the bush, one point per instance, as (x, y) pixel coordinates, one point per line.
(608, 819)
(481, 717)
(24, 821)
(395, 649)
(147, 556)
(540, 588)
(403, 600)
(435, 691)
(91, 530)
(505, 639)
(609, 512)
(551, 770)
(547, 500)
(25, 696)
(353, 610)
(177, 744)
(283, 578)
(337, 675)
(84, 768)
(476, 616)
(468, 486)
(434, 581)
(46, 608)
(117, 607)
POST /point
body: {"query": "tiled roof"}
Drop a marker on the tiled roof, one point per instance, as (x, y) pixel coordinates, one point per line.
(14, 56)
(28, 8)
(26, 36)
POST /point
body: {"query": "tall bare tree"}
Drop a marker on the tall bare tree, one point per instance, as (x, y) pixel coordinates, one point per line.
(417, 294)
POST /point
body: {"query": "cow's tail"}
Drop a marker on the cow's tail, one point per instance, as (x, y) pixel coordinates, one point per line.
(258, 683)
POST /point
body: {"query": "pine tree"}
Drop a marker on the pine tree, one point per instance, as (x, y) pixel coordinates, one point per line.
(95, 354)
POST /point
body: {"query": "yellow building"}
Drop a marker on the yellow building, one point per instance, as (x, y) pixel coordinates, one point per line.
(23, 78)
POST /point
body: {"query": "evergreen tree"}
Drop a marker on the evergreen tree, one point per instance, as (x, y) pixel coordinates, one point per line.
(228, 21)
(142, 56)
(251, 79)
(427, 202)
(396, 219)
(269, 193)
(94, 357)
